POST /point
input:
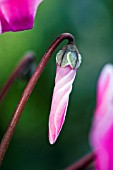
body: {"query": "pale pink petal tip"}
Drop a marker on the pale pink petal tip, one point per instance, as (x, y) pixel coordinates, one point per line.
(17, 15)
(105, 83)
(63, 86)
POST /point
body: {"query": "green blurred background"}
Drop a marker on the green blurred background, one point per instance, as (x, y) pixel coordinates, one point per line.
(91, 23)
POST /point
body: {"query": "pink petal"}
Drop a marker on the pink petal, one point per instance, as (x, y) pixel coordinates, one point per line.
(102, 129)
(63, 86)
(18, 15)
(104, 151)
(105, 83)
(0, 28)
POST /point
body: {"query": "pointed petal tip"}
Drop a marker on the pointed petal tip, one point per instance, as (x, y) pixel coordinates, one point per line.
(52, 139)
(108, 68)
(104, 85)
(52, 136)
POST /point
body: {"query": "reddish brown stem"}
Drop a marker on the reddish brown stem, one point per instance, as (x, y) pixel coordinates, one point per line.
(27, 58)
(18, 111)
(82, 163)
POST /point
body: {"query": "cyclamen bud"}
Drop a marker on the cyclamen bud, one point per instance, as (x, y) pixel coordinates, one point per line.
(68, 60)
(28, 68)
(69, 55)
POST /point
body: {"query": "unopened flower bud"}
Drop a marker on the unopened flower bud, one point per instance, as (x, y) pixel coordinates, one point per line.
(28, 68)
(69, 55)
(68, 60)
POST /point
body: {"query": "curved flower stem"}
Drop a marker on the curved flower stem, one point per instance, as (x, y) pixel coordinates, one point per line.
(27, 58)
(20, 107)
(82, 163)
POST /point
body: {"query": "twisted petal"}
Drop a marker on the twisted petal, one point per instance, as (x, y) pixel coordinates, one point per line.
(17, 15)
(63, 86)
(102, 129)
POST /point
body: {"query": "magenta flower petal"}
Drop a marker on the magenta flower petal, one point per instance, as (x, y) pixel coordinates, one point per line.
(17, 15)
(102, 129)
(63, 86)
(0, 28)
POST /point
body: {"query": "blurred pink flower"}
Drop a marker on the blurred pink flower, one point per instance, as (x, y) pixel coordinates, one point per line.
(102, 130)
(65, 75)
(17, 15)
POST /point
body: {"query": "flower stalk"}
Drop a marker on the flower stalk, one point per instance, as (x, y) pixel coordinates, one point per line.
(83, 163)
(26, 94)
